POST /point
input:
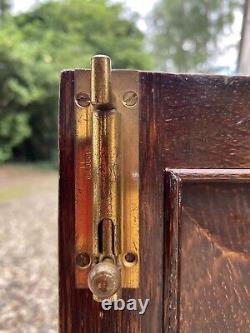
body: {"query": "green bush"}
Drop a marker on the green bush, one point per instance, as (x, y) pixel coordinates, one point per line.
(34, 48)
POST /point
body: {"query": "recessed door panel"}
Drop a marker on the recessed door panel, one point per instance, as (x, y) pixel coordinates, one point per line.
(208, 251)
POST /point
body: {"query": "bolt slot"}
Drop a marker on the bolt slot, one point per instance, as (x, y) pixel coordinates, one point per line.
(106, 237)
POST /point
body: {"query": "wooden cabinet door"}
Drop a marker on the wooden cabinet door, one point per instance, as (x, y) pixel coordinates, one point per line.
(194, 196)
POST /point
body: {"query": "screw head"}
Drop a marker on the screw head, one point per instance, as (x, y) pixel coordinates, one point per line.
(130, 98)
(83, 260)
(130, 259)
(83, 99)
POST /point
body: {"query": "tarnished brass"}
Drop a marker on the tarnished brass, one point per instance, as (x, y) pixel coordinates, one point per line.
(101, 81)
(106, 174)
(104, 280)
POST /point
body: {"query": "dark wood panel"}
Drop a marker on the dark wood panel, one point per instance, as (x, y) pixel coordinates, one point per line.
(188, 121)
(198, 121)
(66, 204)
(76, 307)
(207, 251)
(212, 175)
(215, 258)
(151, 206)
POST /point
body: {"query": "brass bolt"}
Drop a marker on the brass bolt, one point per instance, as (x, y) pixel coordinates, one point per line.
(130, 98)
(83, 99)
(101, 81)
(83, 260)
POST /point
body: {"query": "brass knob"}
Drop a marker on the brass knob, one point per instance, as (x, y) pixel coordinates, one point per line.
(104, 279)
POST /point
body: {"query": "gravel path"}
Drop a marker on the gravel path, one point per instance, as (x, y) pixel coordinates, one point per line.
(28, 250)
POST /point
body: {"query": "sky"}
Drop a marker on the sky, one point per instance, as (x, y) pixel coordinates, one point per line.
(22, 5)
(143, 7)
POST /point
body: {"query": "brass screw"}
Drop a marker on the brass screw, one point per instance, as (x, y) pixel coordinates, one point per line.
(83, 99)
(130, 258)
(130, 98)
(83, 260)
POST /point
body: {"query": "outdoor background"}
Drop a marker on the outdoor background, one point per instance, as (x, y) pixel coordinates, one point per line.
(38, 39)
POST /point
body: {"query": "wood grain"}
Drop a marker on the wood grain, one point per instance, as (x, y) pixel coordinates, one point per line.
(199, 121)
(186, 121)
(190, 121)
(207, 253)
(211, 175)
(215, 258)
(75, 305)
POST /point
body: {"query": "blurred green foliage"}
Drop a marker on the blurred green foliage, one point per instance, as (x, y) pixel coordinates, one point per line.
(186, 35)
(35, 46)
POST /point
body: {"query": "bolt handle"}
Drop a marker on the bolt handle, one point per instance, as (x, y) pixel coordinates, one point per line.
(104, 279)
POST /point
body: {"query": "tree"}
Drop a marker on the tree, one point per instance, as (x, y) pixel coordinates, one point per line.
(4, 8)
(186, 34)
(15, 95)
(37, 45)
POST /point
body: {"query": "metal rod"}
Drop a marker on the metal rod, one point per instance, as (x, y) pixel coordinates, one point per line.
(100, 81)
(105, 156)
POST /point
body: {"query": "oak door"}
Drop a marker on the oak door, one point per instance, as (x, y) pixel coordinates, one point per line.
(194, 156)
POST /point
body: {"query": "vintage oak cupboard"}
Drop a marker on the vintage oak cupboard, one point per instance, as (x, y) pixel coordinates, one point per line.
(154, 186)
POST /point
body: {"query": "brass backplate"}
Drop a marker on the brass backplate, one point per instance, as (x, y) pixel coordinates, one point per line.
(125, 90)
